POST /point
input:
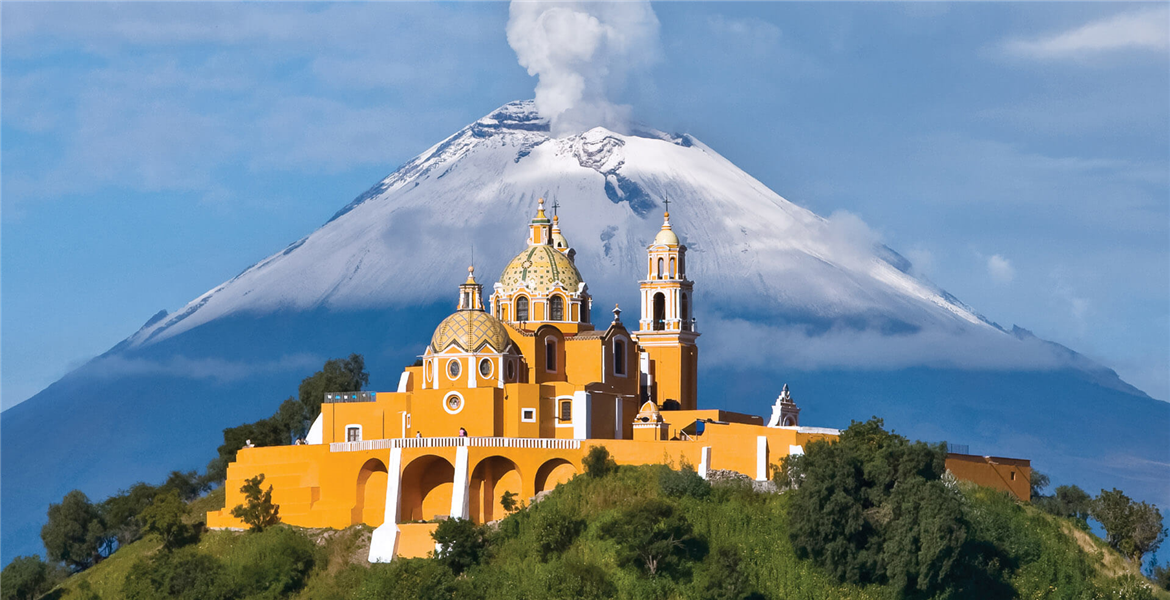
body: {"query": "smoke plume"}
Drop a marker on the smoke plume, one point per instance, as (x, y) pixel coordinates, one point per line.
(581, 53)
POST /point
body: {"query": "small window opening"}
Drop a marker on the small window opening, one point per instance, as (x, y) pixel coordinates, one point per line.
(556, 308)
(550, 355)
(619, 357)
(353, 434)
(522, 309)
(567, 410)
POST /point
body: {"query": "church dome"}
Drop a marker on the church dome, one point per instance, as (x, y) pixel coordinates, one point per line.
(666, 235)
(539, 267)
(469, 330)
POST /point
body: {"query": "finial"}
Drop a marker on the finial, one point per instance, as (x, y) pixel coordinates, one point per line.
(540, 211)
(470, 274)
(556, 205)
(617, 314)
(666, 202)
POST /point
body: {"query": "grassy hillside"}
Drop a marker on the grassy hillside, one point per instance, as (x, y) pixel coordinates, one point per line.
(572, 544)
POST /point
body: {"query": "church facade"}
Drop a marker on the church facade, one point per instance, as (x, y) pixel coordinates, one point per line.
(512, 391)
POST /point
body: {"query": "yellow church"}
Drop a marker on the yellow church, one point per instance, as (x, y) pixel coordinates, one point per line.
(512, 392)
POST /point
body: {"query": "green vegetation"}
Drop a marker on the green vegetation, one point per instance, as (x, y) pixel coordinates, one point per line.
(871, 516)
(257, 511)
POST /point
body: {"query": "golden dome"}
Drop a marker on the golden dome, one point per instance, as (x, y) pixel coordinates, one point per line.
(666, 236)
(469, 330)
(540, 267)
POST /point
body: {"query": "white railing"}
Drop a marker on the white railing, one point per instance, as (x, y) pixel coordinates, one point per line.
(455, 442)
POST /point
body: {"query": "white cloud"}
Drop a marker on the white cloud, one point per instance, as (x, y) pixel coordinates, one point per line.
(1147, 30)
(1000, 269)
(757, 35)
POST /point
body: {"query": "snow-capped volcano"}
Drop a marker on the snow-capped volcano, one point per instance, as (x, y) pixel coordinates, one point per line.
(781, 295)
(406, 240)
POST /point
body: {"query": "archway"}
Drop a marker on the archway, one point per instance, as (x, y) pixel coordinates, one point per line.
(553, 473)
(659, 311)
(370, 507)
(489, 480)
(426, 489)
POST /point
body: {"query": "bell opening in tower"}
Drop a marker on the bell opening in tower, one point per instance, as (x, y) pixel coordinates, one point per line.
(659, 312)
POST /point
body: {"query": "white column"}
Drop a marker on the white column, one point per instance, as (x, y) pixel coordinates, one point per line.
(762, 458)
(471, 370)
(460, 488)
(582, 415)
(704, 461)
(384, 543)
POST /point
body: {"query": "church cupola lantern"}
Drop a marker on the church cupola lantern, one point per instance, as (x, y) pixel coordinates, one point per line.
(470, 292)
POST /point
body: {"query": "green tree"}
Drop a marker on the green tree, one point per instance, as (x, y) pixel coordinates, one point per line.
(508, 501)
(872, 507)
(554, 529)
(1132, 528)
(257, 511)
(164, 516)
(1070, 502)
(598, 462)
(338, 375)
(1038, 482)
(461, 542)
(189, 485)
(120, 512)
(75, 533)
(25, 578)
(656, 538)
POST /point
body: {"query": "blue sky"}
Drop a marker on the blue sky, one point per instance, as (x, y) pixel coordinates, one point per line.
(1019, 154)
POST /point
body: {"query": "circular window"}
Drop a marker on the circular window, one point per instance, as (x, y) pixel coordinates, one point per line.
(427, 370)
(453, 368)
(485, 367)
(511, 370)
(453, 403)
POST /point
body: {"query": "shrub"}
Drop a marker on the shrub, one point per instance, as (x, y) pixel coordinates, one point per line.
(257, 511)
(871, 507)
(508, 502)
(186, 574)
(683, 482)
(462, 544)
(598, 462)
(26, 578)
(576, 580)
(653, 536)
(554, 530)
(408, 579)
(722, 577)
(274, 563)
(1160, 575)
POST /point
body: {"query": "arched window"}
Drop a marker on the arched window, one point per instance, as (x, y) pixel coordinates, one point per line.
(659, 312)
(550, 354)
(499, 315)
(672, 275)
(556, 308)
(619, 357)
(660, 268)
(684, 308)
(522, 309)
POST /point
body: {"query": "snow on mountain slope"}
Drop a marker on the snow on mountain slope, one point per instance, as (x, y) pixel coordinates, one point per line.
(404, 241)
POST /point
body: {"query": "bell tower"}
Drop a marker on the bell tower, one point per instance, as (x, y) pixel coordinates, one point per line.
(666, 330)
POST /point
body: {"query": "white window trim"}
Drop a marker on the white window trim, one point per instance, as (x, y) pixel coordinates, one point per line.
(531, 411)
(490, 363)
(447, 368)
(462, 403)
(361, 434)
